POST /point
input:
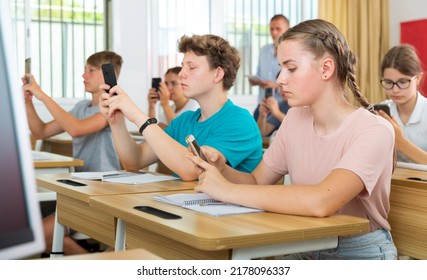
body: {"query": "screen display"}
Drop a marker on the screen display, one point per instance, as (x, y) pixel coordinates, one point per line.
(14, 221)
(21, 233)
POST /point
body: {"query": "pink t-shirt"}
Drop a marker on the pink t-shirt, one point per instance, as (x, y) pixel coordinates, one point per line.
(363, 144)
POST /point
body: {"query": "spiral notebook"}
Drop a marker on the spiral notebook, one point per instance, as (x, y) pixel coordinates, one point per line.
(203, 203)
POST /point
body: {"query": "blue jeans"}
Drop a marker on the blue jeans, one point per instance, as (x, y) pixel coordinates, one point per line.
(377, 245)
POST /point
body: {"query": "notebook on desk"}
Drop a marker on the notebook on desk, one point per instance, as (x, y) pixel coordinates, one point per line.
(123, 177)
(203, 203)
(414, 166)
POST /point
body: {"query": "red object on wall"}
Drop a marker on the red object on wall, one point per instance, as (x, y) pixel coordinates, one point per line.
(415, 33)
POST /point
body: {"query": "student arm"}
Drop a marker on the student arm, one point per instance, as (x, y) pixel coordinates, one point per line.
(255, 190)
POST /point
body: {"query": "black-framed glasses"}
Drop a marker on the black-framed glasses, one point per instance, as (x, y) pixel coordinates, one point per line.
(402, 83)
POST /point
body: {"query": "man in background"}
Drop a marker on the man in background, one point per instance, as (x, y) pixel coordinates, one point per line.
(268, 67)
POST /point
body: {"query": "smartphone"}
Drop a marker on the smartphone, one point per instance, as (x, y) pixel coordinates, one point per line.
(268, 92)
(194, 146)
(109, 74)
(28, 68)
(382, 107)
(155, 83)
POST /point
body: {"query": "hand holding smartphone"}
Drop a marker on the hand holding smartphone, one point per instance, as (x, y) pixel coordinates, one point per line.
(382, 107)
(194, 146)
(109, 74)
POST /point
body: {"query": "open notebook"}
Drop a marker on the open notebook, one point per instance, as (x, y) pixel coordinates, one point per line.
(203, 203)
(123, 177)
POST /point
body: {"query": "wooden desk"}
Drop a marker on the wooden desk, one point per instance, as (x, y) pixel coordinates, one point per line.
(73, 209)
(59, 144)
(408, 212)
(199, 236)
(49, 163)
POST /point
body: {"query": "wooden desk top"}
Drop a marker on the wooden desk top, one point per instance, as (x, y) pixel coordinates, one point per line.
(54, 160)
(401, 175)
(98, 188)
(60, 138)
(218, 233)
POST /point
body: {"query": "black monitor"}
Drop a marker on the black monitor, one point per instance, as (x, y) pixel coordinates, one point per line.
(21, 232)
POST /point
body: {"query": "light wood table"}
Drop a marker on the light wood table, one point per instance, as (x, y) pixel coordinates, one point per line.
(73, 209)
(59, 144)
(199, 236)
(50, 163)
(408, 212)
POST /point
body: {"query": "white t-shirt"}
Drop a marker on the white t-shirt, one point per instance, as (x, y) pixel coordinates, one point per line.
(416, 128)
(191, 105)
(363, 144)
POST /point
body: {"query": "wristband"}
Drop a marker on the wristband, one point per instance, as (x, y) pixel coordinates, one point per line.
(147, 123)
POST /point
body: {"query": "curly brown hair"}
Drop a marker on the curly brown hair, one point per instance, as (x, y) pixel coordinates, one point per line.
(218, 51)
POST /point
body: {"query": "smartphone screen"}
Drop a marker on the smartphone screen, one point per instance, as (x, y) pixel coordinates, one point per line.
(382, 107)
(268, 92)
(109, 74)
(195, 148)
(155, 83)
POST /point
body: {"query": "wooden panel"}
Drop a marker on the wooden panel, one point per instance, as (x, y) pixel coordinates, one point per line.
(87, 220)
(408, 213)
(167, 248)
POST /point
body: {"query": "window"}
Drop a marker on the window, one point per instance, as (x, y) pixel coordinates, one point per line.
(63, 33)
(245, 24)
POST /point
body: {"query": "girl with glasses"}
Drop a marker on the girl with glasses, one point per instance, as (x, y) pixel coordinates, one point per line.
(401, 76)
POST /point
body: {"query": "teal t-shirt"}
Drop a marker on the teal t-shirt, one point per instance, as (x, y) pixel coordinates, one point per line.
(232, 131)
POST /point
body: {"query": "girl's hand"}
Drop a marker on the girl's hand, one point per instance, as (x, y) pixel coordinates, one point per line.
(211, 181)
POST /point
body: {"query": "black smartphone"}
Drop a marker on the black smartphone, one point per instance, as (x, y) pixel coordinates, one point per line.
(382, 107)
(155, 83)
(71, 182)
(268, 92)
(194, 146)
(28, 68)
(109, 74)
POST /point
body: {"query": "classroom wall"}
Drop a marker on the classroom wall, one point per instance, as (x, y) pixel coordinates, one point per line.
(401, 11)
(131, 32)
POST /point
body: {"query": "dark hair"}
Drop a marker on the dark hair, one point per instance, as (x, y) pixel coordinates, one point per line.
(103, 57)
(174, 70)
(319, 37)
(280, 17)
(218, 51)
(403, 58)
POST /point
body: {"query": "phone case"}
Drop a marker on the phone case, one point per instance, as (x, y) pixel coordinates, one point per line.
(155, 83)
(268, 92)
(192, 142)
(109, 74)
(382, 107)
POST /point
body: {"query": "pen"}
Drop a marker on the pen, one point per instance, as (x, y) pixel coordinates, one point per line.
(213, 203)
(117, 175)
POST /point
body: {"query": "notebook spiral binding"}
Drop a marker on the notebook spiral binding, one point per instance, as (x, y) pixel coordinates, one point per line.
(201, 201)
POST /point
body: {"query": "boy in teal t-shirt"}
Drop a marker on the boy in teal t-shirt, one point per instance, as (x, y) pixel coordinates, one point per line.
(209, 70)
(232, 131)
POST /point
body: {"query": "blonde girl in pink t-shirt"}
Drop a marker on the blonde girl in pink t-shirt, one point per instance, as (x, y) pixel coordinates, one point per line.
(339, 156)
